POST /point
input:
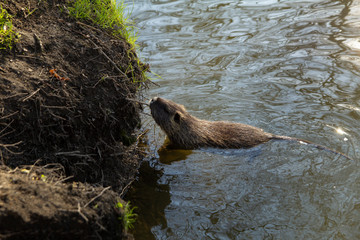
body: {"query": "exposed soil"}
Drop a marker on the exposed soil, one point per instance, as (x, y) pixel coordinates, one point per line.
(36, 204)
(65, 138)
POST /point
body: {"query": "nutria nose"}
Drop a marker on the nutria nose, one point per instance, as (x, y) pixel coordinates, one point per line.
(154, 99)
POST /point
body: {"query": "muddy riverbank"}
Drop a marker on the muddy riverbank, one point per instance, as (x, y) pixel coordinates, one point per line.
(68, 125)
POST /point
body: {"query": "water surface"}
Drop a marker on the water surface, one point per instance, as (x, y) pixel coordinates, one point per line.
(289, 67)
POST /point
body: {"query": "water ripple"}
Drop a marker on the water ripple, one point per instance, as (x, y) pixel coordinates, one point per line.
(289, 67)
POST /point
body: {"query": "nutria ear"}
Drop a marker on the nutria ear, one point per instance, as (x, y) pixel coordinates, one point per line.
(177, 118)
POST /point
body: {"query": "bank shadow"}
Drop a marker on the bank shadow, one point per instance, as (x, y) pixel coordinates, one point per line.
(150, 197)
(150, 193)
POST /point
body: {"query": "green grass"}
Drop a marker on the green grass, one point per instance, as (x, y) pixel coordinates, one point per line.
(7, 35)
(129, 216)
(108, 15)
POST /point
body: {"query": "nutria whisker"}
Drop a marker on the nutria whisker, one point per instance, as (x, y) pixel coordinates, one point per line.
(137, 101)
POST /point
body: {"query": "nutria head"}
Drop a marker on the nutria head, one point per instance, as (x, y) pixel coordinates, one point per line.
(175, 121)
(166, 113)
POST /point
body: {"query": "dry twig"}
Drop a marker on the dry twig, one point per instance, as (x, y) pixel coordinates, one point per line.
(81, 214)
(7, 116)
(7, 146)
(126, 187)
(106, 56)
(74, 154)
(30, 95)
(6, 127)
(97, 196)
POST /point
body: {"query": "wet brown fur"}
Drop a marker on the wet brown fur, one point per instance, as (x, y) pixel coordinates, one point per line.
(188, 132)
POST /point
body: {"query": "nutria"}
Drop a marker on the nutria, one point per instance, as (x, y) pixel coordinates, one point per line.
(188, 132)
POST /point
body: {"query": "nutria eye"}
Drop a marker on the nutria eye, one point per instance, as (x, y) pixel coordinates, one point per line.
(177, 118)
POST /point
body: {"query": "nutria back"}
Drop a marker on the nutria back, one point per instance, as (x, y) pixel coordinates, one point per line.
(188, 132)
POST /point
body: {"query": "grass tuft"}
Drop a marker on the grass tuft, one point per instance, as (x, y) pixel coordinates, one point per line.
(108, 15)
(129, 216)
(7, 35)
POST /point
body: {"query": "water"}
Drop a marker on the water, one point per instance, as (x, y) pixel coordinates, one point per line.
(289, 67)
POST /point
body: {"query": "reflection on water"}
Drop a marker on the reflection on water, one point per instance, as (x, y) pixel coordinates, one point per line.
(167, 156)
(152, 197)
(289, 67)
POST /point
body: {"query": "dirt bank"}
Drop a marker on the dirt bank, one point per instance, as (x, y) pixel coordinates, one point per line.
(74, 127)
